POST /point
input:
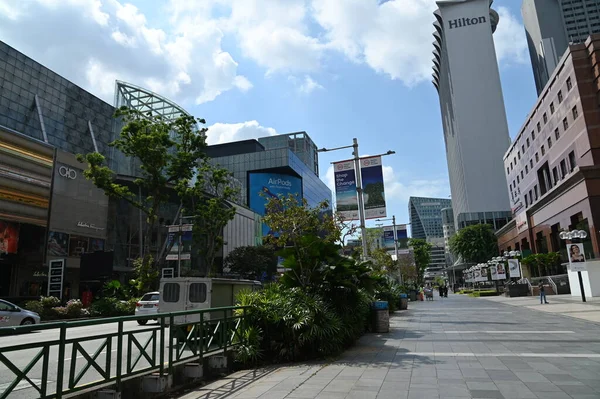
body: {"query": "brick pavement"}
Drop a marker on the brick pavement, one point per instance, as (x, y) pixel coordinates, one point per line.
(455, 347)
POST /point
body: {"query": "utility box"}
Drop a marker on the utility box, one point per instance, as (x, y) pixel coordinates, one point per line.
(196, 293)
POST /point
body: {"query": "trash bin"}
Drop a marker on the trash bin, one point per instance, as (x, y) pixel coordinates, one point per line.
(413, 295)
(381, 316)
(403, 301)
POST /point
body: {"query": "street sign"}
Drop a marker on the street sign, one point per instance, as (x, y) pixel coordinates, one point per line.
(168, 272)
(56, 271)
(174, 228)
(183, 257)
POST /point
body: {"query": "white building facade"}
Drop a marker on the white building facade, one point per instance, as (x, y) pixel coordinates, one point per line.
(467, 79)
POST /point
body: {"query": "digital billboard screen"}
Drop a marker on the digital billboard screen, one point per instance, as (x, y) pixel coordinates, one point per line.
(271, 185)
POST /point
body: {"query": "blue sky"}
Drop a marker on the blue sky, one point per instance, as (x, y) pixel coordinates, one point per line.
(336, 69)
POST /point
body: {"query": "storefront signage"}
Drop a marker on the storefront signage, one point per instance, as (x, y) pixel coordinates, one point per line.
(168, 272)
(89, 226)
(56, 272)
(67, 172)
(40, 274)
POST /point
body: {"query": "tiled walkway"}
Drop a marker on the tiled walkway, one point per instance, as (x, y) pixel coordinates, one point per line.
(455, 347)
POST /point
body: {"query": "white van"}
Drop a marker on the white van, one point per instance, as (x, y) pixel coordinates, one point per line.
(189, 293)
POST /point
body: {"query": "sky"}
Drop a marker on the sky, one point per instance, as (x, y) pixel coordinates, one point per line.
(337, 69)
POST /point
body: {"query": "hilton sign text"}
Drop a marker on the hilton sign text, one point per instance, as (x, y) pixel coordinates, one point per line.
(462, 22)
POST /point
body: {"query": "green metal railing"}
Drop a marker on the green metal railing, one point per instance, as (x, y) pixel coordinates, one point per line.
(178, 338)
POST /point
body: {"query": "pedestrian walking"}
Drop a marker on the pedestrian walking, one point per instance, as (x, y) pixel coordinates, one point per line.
(542, 293)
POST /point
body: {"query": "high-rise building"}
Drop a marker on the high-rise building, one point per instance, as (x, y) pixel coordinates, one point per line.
(449, 231)
(426, 216)
(550, 26)
(426, 223)
(474, 119)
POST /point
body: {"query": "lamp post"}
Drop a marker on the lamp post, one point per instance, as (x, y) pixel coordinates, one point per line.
(393, 219)
(573, 235)
(359, 188)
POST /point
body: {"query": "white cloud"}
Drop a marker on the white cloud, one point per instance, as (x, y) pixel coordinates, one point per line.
(309, 85)
(509, 39)
(220, 133)
(92, 42)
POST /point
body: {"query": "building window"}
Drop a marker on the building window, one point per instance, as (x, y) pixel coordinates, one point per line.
(556, 134)
(549, 142)
(532, 135)
(569, 84)
(545, 118)
(526, 169)
(526, 202)
(563, 168)
(575, 112)
(522, 174)
(527, 143)
(535, 192)
(560, 96)
(555, 175)
(543, 151)
(518, 181)
(552, 108)
(537, 157)
(531, 163)
(539, 127)
(507, 170)
(523, 148)
(519, 154)
(530, 197)
(565, 124)
(572, 162)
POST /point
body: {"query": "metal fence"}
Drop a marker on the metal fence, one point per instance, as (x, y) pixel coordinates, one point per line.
(72, 359)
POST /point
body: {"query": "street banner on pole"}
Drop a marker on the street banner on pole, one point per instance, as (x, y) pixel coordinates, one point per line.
(494, 272)
(576, 257)
(372, 181)
(513, 268)
(483, 276)
(501, 270)
(346, 197)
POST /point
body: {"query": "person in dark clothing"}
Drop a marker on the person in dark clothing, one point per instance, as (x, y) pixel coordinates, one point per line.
(542, 293)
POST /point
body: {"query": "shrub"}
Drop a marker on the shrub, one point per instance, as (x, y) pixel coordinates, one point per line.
(296, 325)
(74, 307)
(112, 307)
(49, 302)
(477, 294)
(34, 306)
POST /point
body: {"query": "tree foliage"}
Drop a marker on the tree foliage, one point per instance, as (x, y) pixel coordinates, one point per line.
(253, 262)
(544, 264)
(383, 261)
(475, 244)
(422, 256)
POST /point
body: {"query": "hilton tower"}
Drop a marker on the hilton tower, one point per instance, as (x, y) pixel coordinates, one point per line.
(474, 119)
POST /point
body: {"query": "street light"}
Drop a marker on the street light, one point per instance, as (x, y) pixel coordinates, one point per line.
(393, 219)
(573, 235)
(359, 188)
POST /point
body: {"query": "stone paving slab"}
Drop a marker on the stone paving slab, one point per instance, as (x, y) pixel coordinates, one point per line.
(455, 347)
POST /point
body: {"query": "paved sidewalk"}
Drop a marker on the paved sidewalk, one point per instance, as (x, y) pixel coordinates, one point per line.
(565, 305)
(455, 347)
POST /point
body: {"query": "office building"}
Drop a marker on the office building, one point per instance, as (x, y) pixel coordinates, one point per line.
(553, 167)
(473, 116)
(449, 231)
(550, 26)
(272, 166)
(48, 210)
(426, 223)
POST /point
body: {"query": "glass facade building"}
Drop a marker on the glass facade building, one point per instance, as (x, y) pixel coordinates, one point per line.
(251, 156)
(426, 216)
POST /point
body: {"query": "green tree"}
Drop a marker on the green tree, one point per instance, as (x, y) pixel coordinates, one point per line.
(209, 200)
(166, 151)
(422, 256)
(476, 243)
(253, 262)
(382, 261)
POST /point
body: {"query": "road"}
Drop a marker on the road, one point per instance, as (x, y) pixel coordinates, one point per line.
(22, 358)
(455, 347)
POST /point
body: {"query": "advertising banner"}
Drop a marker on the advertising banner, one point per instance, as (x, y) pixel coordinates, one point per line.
(9, 237)
(56, 271)
(346, 197)
(494, 272)
(186, 241)
(401, 234)
(483, 274)
(513, 268)
(501, 270)
(58, 244)
(78, 245)
(576, 257)
(371, 172)
(262, 186)
(476, 276)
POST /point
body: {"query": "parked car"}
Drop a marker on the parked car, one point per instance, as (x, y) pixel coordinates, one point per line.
(11, 315)
(147, 305)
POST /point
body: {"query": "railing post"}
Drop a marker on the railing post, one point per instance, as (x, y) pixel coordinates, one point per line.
(225, 334)
(61, 360)
(161, 355)
(119, 355)
(171, 344)
(201, 331)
